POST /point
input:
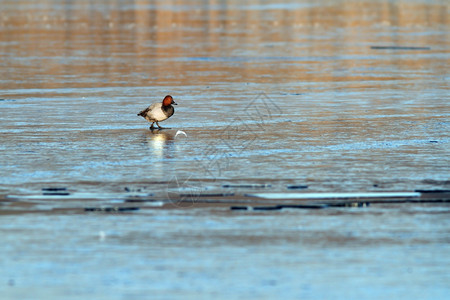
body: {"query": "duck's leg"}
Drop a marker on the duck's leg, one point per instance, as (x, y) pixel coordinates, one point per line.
(151, 127)
(158, 124)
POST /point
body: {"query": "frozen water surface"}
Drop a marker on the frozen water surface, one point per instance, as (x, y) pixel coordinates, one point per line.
(335, 96)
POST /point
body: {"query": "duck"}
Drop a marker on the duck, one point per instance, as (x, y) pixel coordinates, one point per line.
(158, 112)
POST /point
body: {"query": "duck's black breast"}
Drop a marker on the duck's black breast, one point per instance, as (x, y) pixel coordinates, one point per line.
(168, 110)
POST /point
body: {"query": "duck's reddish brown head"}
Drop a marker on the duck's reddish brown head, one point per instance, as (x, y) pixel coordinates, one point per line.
(168, 100)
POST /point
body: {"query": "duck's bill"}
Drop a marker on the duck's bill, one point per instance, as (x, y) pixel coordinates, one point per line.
(174, 103)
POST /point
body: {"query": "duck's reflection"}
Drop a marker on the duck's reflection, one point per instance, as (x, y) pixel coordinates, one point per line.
(164, 145)
(160, 142)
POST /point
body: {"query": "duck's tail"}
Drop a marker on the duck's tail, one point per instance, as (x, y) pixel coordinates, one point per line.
(143, 113)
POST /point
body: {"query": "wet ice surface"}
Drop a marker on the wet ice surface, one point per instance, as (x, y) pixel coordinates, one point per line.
(378, 252)
(270, 94)
(326, 143)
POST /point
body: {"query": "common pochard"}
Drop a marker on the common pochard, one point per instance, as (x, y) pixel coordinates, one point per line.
(158, 112)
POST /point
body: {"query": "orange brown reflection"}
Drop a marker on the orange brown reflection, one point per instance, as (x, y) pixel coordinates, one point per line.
(73, 44)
